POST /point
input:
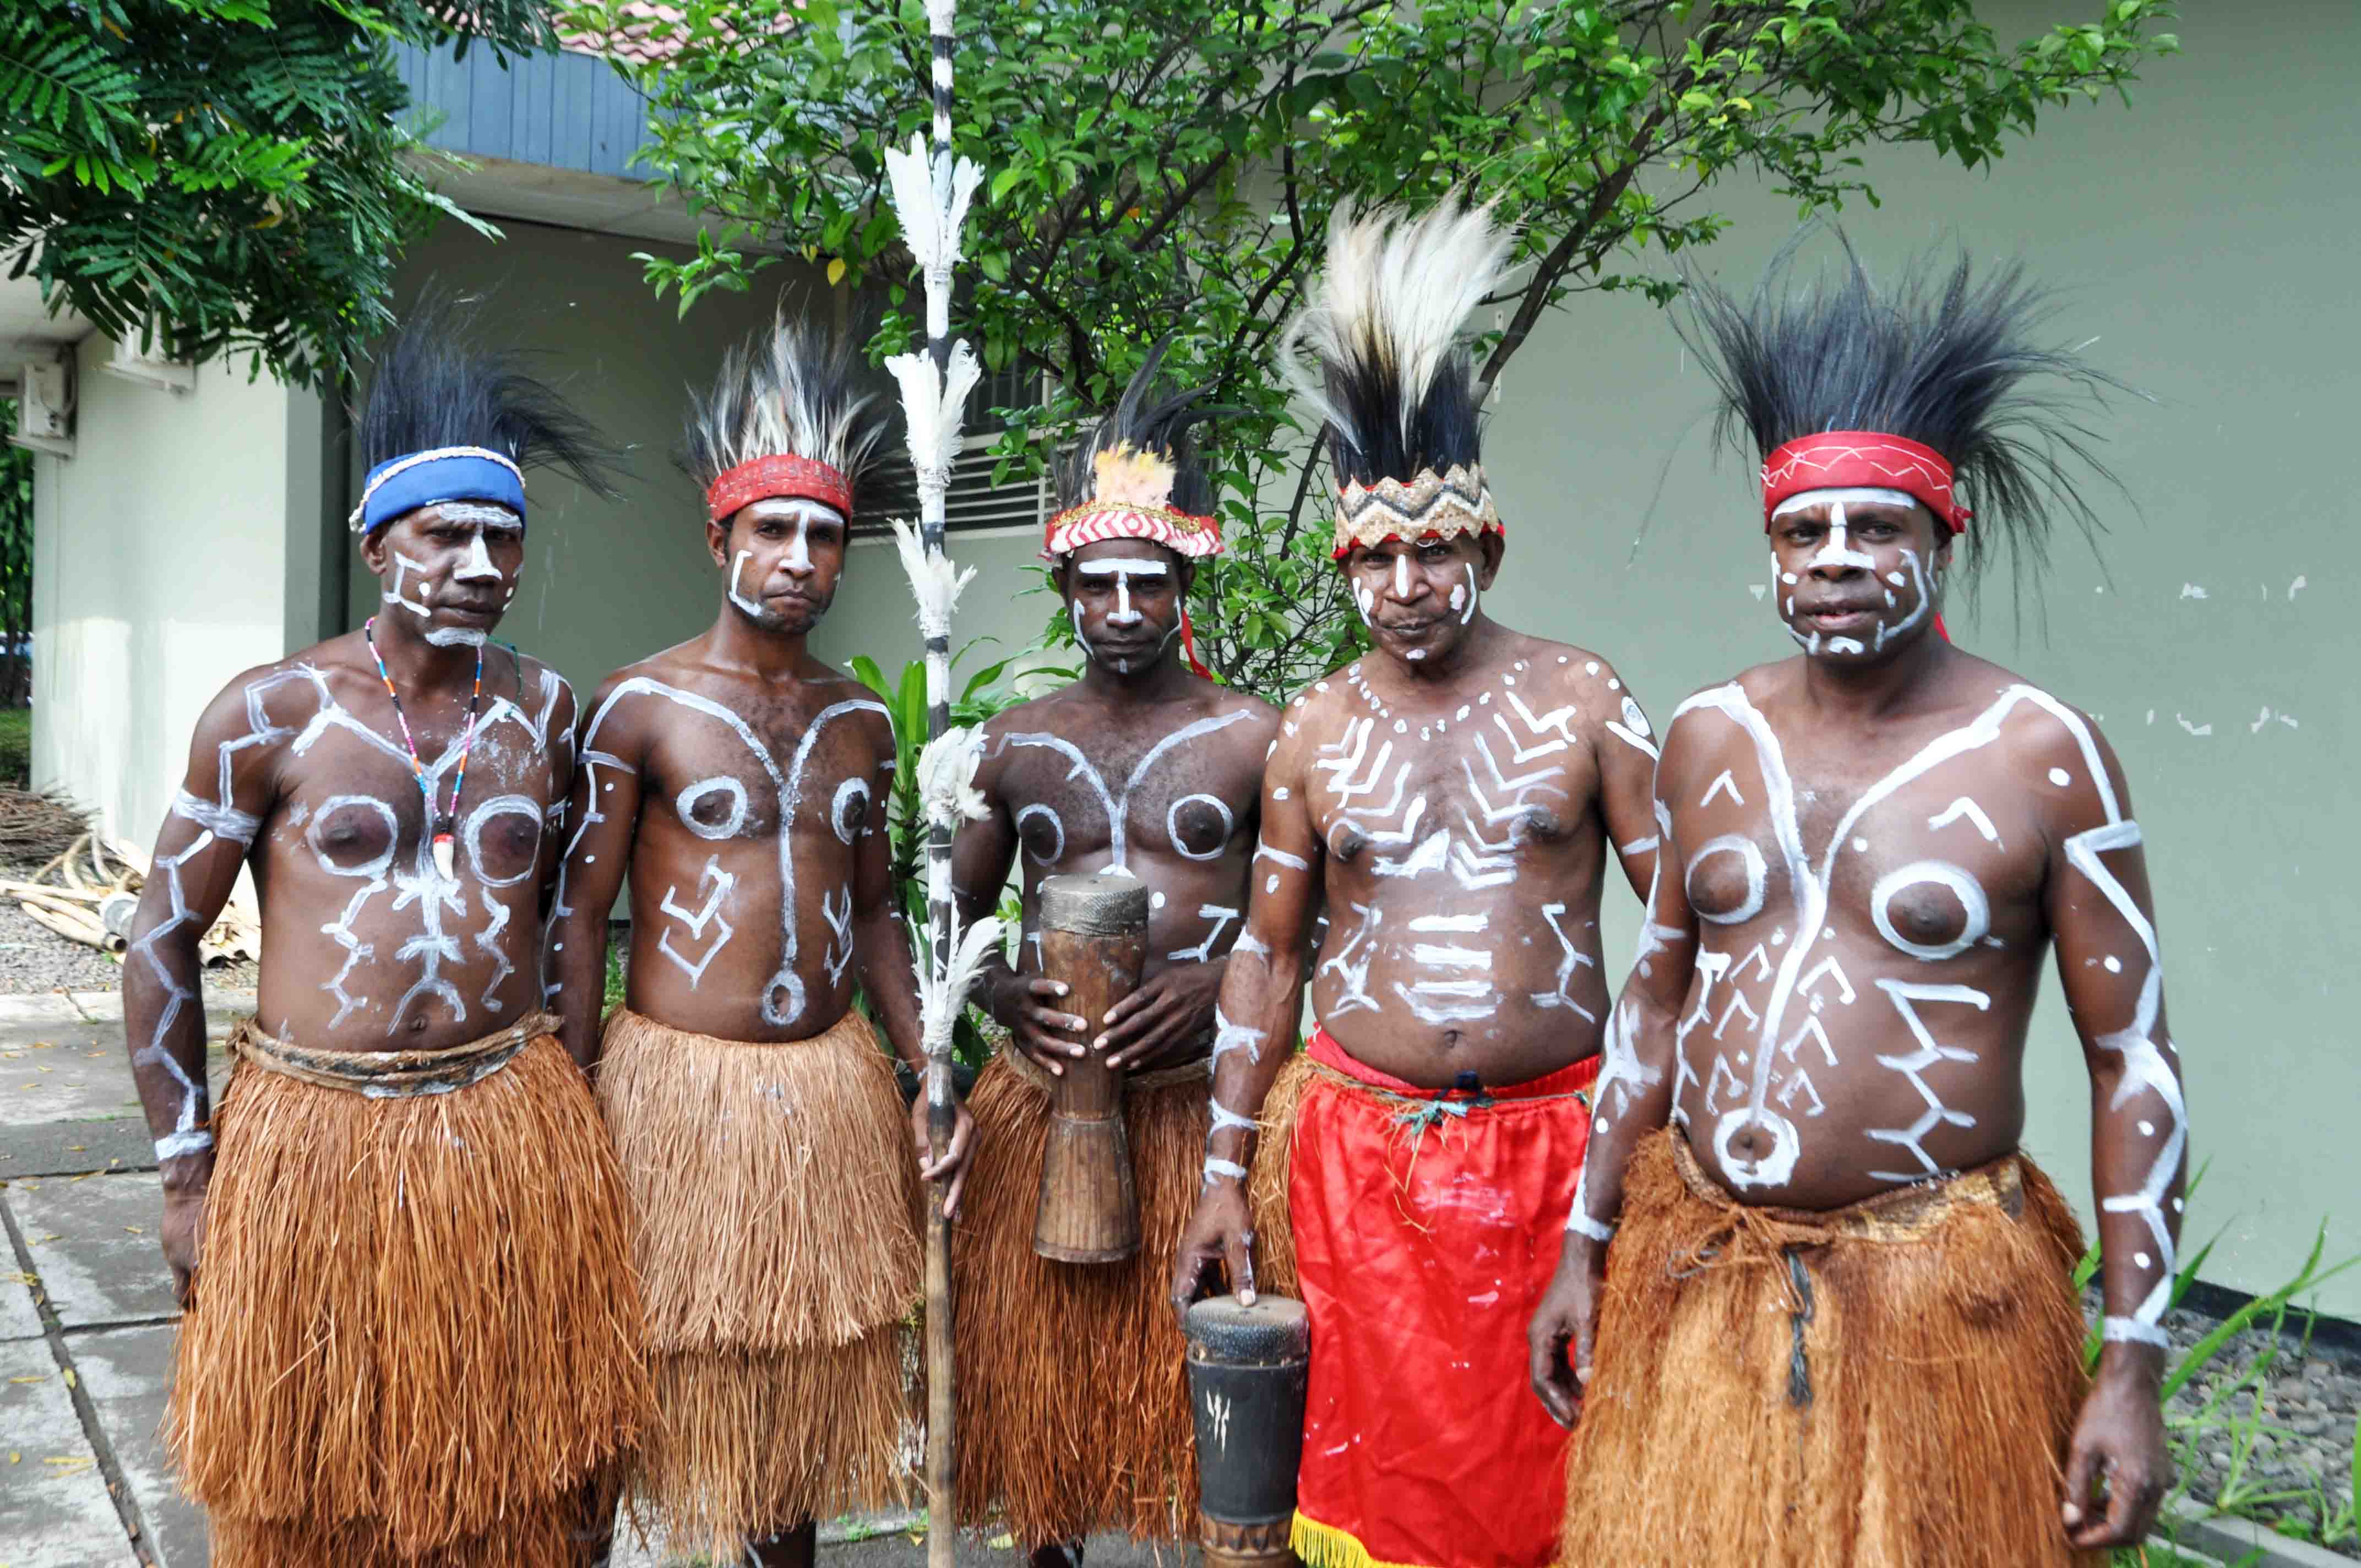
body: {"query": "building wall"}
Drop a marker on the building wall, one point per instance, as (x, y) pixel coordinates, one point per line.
(2205, 236)
(158, 575)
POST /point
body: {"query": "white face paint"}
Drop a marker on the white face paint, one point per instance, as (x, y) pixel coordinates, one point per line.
(1123, 569)
(1837, 554)
(1467, 611)
(737, 594)
(1401, 576)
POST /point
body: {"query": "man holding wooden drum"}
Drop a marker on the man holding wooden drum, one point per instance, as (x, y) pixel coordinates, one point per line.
(1455, 796)
(1073, 1411)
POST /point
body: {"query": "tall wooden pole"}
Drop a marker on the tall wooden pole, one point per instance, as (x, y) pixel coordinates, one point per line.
(931, 188)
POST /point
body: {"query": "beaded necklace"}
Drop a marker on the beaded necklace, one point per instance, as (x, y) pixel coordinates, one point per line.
(439, 822)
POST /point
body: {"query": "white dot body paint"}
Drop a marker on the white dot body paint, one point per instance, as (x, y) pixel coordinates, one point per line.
(2060, 777)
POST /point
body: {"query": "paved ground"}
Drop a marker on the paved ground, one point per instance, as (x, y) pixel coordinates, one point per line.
(86, 1316)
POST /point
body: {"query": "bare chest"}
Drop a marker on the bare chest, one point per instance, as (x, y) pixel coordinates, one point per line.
(1190, 791)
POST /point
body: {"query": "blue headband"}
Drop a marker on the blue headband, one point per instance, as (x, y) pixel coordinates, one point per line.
(447, 473)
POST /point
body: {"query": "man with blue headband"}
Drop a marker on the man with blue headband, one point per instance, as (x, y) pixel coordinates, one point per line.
(412, 1332)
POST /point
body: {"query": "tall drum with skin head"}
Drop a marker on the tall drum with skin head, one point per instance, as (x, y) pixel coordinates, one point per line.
(1093, 942)
(1247, 1367)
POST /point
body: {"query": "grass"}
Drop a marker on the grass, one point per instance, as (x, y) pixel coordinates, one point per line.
(2234, 1407)
(16, 745)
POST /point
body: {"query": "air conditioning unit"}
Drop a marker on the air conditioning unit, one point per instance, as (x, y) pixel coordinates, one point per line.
(169, 375)
(45, 406)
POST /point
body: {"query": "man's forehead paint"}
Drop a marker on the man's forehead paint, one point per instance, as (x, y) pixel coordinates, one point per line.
(1122, 566)
(1849, 495)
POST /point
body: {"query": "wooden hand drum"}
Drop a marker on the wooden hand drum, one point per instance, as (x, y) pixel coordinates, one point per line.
(1093, 940)
(1247, 1372)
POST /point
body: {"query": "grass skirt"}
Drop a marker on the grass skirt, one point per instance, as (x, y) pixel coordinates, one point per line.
(1073, 1392)
(778, 1247)
(415, 1338)
(1883, 1386)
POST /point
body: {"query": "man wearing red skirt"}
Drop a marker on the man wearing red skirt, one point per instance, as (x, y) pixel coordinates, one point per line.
(1455, 796)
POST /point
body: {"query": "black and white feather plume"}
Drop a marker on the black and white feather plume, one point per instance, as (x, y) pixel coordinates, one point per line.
(801, 389)
(1380, 352)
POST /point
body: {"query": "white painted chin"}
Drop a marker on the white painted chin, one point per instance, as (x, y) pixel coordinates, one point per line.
(455, 637)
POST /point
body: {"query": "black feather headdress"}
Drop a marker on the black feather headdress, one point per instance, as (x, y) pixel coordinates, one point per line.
(438, 386)
(1944, 357)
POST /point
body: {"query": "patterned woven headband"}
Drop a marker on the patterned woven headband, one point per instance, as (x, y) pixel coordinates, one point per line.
(1092, 520)
(1444, 506)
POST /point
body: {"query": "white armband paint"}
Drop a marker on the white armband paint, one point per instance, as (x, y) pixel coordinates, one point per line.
(2131, 1330)
(173, 1145)
(1582, 1224)
(1217, 1168)
(1224, 1118)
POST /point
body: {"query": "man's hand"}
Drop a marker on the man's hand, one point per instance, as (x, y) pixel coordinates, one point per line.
(184, 1222)
(1220, 1237)
(1025, 1005)
(1564, 1327)
(951, 1162)
(2118, 1444)
(1165, 1020)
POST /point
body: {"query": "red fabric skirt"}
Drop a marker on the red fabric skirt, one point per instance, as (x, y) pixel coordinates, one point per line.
(1427, 1226)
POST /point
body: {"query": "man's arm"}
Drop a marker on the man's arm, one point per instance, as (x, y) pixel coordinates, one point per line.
(981, 857)
(1262, 997)
(560, 731)
(1633, 1098)
(889, 977)
(2103, 921)
(605, 813)
(207, 832)
(1624, 745)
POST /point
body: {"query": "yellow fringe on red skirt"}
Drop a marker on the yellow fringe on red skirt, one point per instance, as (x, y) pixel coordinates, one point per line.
(415, 1337)
(778, 1245)
(1880, 1387)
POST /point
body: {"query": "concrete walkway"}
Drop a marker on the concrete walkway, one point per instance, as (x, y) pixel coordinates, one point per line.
(86, 1316)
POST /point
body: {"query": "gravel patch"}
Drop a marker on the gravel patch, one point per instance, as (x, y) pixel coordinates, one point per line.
(2275, 1446)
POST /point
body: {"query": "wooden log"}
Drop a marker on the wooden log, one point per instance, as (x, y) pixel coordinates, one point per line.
(89, 934)
(1093, 933)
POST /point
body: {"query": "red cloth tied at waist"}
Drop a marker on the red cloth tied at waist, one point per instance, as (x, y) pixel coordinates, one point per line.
(784, 476)
(1427, 1225)
(1861, 459)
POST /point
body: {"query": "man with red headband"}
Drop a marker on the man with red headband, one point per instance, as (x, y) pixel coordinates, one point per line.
(1809, 1262)
(1456, 796)
(1140, 767)
(742, 785)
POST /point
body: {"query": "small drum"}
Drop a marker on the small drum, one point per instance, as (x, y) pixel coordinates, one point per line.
(1247, 1372)
(1094, 939)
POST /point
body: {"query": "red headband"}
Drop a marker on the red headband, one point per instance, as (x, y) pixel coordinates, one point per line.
(798, 478)
(1847, 459)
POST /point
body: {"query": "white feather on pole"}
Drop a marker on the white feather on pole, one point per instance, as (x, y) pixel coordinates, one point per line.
(947, 767)
(943, 988)
(936, 581)
(935, 407)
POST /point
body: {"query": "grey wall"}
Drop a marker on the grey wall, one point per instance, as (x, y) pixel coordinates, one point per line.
(606, 582)
(2207, 234)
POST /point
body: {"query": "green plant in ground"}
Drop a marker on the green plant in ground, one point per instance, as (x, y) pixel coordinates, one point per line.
(2233, 1407)
(221, 175)
(906, 702)
(1174, 163)
(16, 746)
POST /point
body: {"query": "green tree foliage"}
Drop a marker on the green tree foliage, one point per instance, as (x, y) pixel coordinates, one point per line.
(1170, 164)
(222, 175)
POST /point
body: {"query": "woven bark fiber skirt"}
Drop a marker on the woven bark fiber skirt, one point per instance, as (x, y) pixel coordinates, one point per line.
(1420, 1230)
(415, 1338)
(1885, 1386)
(777, 1198)
(1073, 1392)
